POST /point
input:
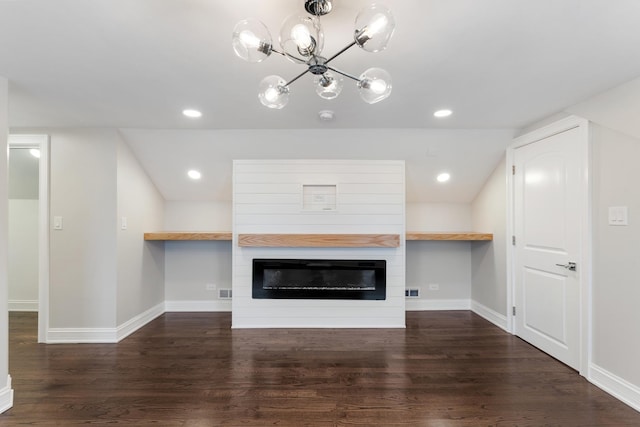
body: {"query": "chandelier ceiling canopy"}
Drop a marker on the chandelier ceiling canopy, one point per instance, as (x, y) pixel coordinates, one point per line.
(301, 40)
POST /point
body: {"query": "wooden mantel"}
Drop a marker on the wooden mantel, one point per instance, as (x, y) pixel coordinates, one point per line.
(189, 235)
(320, 240)
(466, 236)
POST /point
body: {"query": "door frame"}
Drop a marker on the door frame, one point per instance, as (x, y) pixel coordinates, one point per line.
(42, 143)
(584, 259)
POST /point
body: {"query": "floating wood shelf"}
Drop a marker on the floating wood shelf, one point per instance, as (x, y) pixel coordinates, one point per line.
(469, 236)
(186, 235)
(320, 240)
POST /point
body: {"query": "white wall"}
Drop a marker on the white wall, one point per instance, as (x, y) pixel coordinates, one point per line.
(140, 264)
(83, 273)
(616, 278)
(194, 274)
(427, 151)
(104, 282)
(615, 349)
(441, 263)
(23, 254)
(488, 259)
(615, 292)
(268, 199)
(197, 216)
(617, 108)
(6, 393)
(444, 217)
(196, 271)
(191, 266)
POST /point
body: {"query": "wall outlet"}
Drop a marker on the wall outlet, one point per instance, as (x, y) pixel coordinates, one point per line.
(210, 286)
(434, 287)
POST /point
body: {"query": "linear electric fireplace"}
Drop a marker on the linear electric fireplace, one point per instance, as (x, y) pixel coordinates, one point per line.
(319, 279)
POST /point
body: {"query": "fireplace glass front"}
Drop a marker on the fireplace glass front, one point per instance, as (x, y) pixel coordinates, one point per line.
(319, 279)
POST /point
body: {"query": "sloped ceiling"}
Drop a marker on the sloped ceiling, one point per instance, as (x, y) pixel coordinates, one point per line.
(469, 155)
(135, 64)
(618, 108)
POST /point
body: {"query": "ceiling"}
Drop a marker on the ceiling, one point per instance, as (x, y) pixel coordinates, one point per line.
(138, 63)
(469, 155)
(134, 65)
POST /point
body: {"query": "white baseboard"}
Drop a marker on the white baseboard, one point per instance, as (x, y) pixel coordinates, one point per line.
(6, 396)
(23, 305)
(615, 386)
(82, 336)
(139, 321)
(500, 320)
(249, 325)
(102, 335)
(197, 306)
(437, 304)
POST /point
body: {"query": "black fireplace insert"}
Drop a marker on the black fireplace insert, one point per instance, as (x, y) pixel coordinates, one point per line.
(319, 279)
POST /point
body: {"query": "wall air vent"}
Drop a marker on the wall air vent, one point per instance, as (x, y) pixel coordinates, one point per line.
(412, 293)
(224, 293)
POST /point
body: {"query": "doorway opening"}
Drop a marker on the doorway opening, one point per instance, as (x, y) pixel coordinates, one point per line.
(31, 289)
(549, 259)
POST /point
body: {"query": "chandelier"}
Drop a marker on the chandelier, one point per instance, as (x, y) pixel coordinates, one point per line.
(301, 41)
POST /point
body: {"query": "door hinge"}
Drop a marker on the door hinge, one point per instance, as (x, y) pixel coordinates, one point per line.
(513, 170)
(513, 310)
(513, 240)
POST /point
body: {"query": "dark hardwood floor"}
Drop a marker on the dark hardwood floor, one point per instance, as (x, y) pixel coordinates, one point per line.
(191, 369)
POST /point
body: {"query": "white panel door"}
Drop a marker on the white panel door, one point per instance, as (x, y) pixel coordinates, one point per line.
(548, 192)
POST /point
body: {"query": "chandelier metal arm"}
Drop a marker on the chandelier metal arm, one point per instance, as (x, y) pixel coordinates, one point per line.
(343, 50)
(285, 55)
(296, 77)
(344, 74)
(302, 41)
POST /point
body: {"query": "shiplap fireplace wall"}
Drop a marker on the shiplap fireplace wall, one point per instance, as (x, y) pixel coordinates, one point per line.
(318, 197)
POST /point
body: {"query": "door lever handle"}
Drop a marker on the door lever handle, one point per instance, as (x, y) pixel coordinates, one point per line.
(571, 266)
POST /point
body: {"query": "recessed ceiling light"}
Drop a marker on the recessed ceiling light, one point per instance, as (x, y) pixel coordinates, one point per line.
(326, 115)
(194, 174)
(35, 153)
(194, 114)
(442, 113)
(443, 177)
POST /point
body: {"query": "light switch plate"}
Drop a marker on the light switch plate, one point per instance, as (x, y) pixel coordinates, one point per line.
(57, 223)
(618, 215)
